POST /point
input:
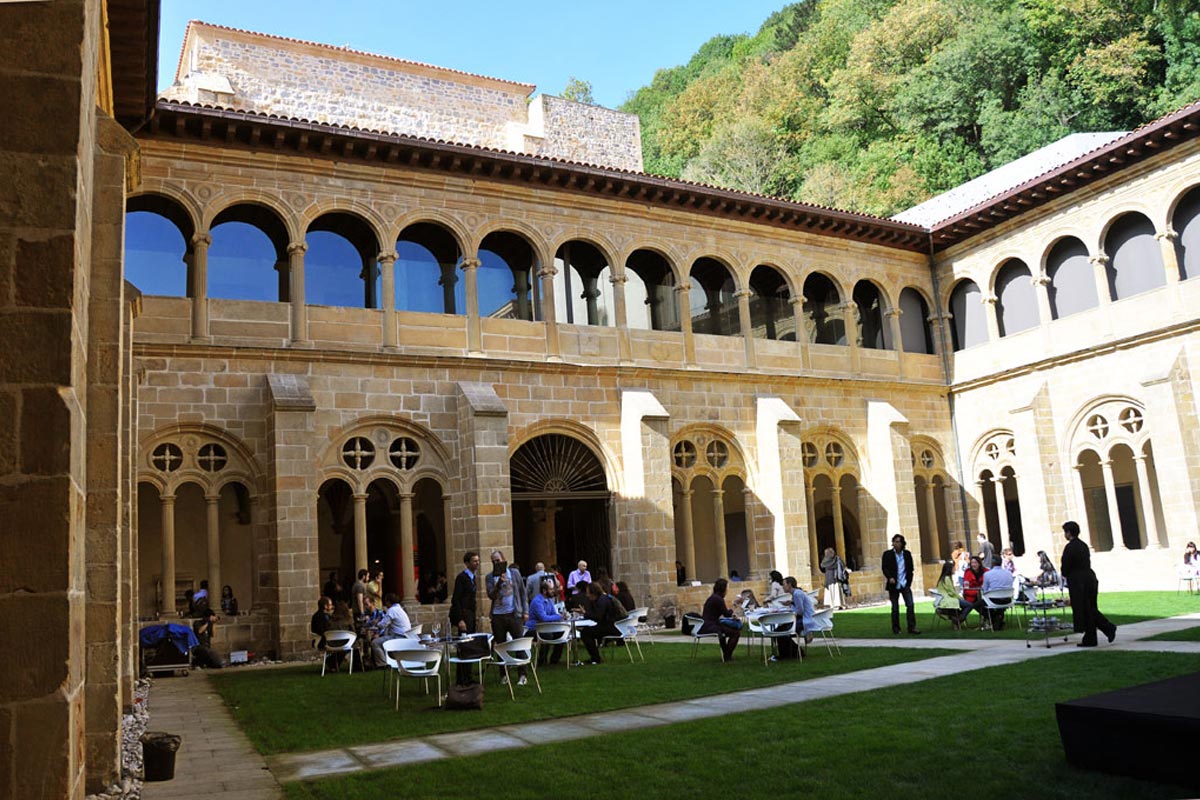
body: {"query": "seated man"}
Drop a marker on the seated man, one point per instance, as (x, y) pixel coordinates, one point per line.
(603, 612)
(803, 606)
(202, 654)
(541, 609)
(394, 624)
(997, 580)
(718, 619)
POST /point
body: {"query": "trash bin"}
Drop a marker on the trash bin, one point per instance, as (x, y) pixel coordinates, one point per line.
(158, 755)
(669, 621)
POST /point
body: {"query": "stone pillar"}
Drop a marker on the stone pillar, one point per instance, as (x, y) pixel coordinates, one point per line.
(719, 532)
(212, 516)
(893, 321)
(621, 317)
(1041, 284)
(864, 522)
(748, 504)
(644, 535)
(367, 276)
(814, 547)
(850, 324)
(453, 559)
(549, 313)
(981, 520)
(1110, 496)
(801, 332)
(743, 301)
(1170, 257)
(387, 265)
(199, 286)
(360, 531)
(990, 301)
(589, 295)
(296, 295)
(1001, 512)
(1100, 275)
(166, 606)
(689, 534)
(408, 582)
(470, 268)
(839, 531)
(1081, 511)
(1147, 498)
(522, 304)
(683, 304)
(935, 532)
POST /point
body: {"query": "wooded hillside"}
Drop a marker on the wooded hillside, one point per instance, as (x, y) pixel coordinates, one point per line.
(876, 105)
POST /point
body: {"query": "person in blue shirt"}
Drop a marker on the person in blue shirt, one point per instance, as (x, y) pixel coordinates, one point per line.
(541, 609)
(897, 567)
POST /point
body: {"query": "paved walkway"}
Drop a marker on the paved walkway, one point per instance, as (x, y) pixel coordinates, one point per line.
(220, 761)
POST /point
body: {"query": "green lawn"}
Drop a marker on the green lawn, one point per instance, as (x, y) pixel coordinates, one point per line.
(1122, 608)
(921, 741)
(1184, 635)
(294, 709)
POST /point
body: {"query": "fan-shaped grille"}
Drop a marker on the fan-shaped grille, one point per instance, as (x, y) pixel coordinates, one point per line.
(556, 464)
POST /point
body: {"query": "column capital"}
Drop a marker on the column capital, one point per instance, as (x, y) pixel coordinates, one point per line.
(202, 238)
(297, 247)
(1041, 279)
(798, 300)
(894, 313)
(687, 493)
(1139, 457)
(989, 299)
(1107, 464)
(387, 257)
(836, 490)
(469, 263)
(1100, 259)
(1169, 233)
(614, 278)
(547, 272)
(167, 497)
(718, 492)
(683, 287)
(212, 498)
(406, 495)
(360, 496)
(740, 293)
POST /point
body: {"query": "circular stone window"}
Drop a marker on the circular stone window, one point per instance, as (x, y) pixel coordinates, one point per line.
(212, 457)
(358, 453)
(717, 454)
(404, 453)
(685, 454)
(167, 457)
(834, 454)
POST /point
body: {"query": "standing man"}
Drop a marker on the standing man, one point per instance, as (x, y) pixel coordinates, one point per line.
(533, 584)
(986, 551)
(510, 609)
(462, 607)
(357, 592)
(898, 573)
(580, 574)
(1084, 588)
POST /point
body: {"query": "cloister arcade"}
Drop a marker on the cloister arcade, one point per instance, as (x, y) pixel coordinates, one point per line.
(935, 516)
(1130, 255)
(995, 460)
(713, 531)
(835, 496)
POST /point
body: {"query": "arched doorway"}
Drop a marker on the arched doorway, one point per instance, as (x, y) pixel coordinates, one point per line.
(560, 503)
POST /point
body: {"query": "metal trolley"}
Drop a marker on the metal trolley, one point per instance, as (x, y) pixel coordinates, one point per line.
(1045, 614)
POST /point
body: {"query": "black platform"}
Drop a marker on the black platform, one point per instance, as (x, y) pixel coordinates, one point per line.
(1149, 731)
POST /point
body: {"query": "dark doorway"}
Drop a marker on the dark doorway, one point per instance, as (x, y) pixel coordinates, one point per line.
(1127, 511)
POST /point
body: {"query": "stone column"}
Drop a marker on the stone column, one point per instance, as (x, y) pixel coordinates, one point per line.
(212, 509)
(864, 523)
(199, 285)
(839, 531)
(1100, 275)
(407, 582)
(743, 301)
(1080, 498)
(550, 314)
(387, 266)
(1147, 497)
(1170, 257)
(1041, 284)
(940, 326)
(621, 316)
(850, 320)
(360, 531)
(1114, 516)
(689, 534)
(801, 332)
(719, 532)
(893, 319)
(684, 307)
(1001, 512)
(589, 295)
(990, 301)
(167, 605)
(470, 268)
(814, 546)
(751, 542)
(981, 520)
(453, 559)
(296, 296)
(522, 304)
(935, 533)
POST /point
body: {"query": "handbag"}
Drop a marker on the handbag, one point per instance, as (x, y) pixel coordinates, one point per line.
(465, 697)
(474, 648)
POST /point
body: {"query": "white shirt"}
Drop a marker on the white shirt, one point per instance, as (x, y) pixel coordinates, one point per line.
(394, 623)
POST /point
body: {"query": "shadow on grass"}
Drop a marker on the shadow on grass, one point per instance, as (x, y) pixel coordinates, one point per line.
(294, 709)
(989, 734)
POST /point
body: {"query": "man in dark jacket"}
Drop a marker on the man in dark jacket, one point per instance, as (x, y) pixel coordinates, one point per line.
(462, 607)
(898, 578)
(1076, 567)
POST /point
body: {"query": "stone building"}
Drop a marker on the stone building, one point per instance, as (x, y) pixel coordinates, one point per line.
(265, 327)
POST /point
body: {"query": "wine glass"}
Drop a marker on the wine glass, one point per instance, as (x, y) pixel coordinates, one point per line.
(437, 630)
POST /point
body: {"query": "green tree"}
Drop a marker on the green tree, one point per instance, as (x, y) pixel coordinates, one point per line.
(577, 90)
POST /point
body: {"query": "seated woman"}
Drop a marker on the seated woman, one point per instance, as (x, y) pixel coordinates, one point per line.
(625, 597)
(718, 619)
(541, 609)
(972, 583)
(1048, 575)
(229, 603)
(952, 603)
(1191, 560)
(775, 590)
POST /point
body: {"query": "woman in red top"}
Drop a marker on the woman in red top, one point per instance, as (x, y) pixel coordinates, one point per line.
(972, 582)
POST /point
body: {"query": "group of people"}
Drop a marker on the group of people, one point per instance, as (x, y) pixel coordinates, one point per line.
(720, 618)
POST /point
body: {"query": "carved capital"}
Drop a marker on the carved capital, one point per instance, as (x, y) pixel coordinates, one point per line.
(297, 247)
(387, 257)
(1041, 279)
(989, 299)
(547, 272)
(894, 313)
(683, 287)
(469, 263)
(1170, 234)
(1101, 259)
(740, 293)
(615, 279)
(202, 238)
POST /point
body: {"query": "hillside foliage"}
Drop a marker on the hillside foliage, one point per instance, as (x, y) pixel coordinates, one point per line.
(876, 105)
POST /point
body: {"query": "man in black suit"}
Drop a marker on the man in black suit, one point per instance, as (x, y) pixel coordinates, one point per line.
(462, 606)
(898, 574)
(1083, 587)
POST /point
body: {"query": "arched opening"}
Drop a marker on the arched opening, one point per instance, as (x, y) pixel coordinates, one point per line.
(158, 235)
(427, 259)
(969, 326)
(560, 503)
(429, 540)
(1186, 222)
(822, 311)
(737, 539)
(1129, 504)
(507, 288)
(341, 265)
(991, 511)
(335, 533)
(584, 288)
(942, 511)
(852, 519)
(1072, 283)
(711, 301)
(915, 330)
(929, 544)
(650, 292)
(771, 313)
(873, 331)
(1016, 300)
(1135, 259)
(1153, 519)
(248, 259)
(1012, 512)
(1091, 478)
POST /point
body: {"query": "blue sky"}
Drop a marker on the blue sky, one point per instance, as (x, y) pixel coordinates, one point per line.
(615, 44)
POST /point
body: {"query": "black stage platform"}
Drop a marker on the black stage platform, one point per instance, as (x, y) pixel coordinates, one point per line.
(1150, 731)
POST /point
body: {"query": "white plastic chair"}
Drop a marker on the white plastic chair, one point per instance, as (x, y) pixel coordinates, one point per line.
(1187, 575)
(753, 626)
(515, 653)
(627, 631)
(822, 623)
(997, 599)
(339, 642)
(774, 626)
(480, 660)
(698, 622)
(554, 634)
(642, 613)
(414, 660)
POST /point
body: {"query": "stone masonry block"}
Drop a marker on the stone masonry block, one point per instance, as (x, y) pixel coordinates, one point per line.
(35, 510)
(40, 670)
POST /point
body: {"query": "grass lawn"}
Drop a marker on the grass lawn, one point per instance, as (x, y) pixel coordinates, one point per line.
(1122, 608)
(294, 709)
(921, 740)
(1184, 635)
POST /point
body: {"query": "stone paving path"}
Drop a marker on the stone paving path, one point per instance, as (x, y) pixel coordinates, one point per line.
(216, 759)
